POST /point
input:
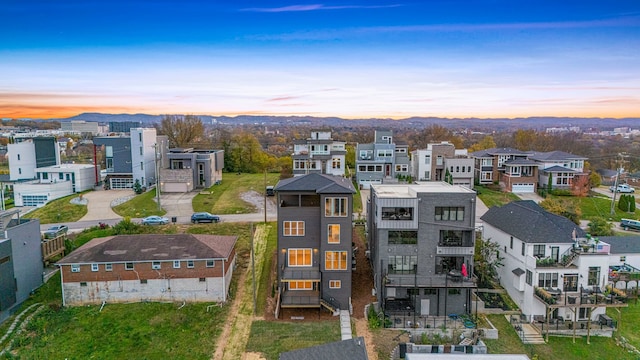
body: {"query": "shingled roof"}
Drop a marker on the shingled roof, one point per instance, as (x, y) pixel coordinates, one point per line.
(352, 349)
(622, 244)
(319, 183)
(530, 223)
(152, 247)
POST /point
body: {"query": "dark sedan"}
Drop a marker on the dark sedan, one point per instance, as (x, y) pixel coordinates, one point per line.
(203, 217)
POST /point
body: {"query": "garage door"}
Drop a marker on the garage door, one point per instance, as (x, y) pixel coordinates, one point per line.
(175, 187)
(366, 184)
(523, 188)
(34, 200)
(121, 183)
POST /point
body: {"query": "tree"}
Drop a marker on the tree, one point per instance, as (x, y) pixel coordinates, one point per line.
(564, 208)
(448, 177)
(594, 179)
(182, 131)
(550, 183)
(580, 186)
(487, 142)
(487, 260)
(600, 227)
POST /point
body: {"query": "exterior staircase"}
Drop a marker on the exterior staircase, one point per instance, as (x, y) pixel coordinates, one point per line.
(331, 305)
(568, 258)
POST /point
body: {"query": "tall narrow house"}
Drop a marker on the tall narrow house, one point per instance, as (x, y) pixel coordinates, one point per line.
(315, 241)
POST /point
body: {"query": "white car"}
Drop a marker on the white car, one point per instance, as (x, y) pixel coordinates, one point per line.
(622, 188)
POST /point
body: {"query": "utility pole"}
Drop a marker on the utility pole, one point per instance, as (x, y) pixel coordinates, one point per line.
(157, 156)
(265, 196)
(615, 185)
(253, 270)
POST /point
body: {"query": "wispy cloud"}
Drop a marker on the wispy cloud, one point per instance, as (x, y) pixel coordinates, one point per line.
(316, 7)
(283, 98)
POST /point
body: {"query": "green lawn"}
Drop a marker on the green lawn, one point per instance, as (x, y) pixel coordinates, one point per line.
(59, 210)
(225, 198)
(140, 206)
(273, 337)
(596, 206)
(630, 322)
(491, 197)
(557, 348)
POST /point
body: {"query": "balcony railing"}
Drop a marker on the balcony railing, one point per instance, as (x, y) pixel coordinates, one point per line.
(454, 250)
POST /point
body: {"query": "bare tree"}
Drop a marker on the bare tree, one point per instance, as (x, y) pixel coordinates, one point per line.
(182, 131)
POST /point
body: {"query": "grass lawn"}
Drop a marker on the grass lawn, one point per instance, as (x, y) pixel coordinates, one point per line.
(557, 348)
(630, 324)
(140, 206)
(492, 197)
(225, 198)
(58, 211)
(273, 337)
(595, 206)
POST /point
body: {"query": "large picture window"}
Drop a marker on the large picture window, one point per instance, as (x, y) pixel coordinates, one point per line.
(335, 207)
(450, 213)
(293, 228)
(406, 264)
(450, 238)
(397, 213)
(335, 260)
(406, 237)
(299, 257)
(333, 234)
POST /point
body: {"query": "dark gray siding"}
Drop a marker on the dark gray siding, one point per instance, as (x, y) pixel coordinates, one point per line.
(7, 279)
(121, 152)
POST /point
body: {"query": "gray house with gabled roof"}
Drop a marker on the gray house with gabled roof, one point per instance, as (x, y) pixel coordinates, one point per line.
(315, 241)
(351, 349)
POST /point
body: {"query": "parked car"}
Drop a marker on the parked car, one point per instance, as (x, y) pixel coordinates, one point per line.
(155, 220)
(270, 191)
(622, 188)
(630, 224)
(204, 216)
(55, 231)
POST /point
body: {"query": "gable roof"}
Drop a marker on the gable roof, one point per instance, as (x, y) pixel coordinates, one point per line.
(152, 247)
(622, 244)
(530, 223)
(351, 349)
(556, 155)
(499, 151)
(319, 183)
(558, 168)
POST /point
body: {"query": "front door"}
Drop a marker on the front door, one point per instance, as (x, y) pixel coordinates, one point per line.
(424, 307)
(555, 253)
(387, 170)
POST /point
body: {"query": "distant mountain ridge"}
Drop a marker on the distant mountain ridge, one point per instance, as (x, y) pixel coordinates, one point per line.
(539, 123)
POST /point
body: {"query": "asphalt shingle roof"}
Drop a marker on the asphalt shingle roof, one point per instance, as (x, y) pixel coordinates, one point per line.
(555, 156)
(558, 168)
(622, 244)
(152, 247)
(530, 223)
(352, 349)
(319, 183)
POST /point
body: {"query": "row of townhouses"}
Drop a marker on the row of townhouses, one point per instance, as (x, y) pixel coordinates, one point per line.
(385, 161)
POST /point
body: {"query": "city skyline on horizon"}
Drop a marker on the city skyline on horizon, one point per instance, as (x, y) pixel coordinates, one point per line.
(362, 59)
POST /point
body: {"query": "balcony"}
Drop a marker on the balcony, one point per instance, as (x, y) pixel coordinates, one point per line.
(587, 297)
(435, 281)
(300, 299)
(454, 250)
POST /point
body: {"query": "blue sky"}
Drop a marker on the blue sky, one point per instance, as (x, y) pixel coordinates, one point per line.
(351, 59)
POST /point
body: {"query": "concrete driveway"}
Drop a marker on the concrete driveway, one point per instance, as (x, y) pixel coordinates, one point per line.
(99, 204)
(177, 204)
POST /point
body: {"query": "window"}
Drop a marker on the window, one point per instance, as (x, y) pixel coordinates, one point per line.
(300, 285)
(190, 264)
(548, 280)
(95, 267)
(210, 263)
(142, 166)
(143, 281)
(403, 237)
(538, 251)
(202, 279)
(19, 171)
(82, 283)
(335, 207)
(570, 282)
(403, 264)
(335, 260)
(594, 276)
(623, 258)
(141, 150)
(335, 284)
(427, 159)
(334, 234)
(454, 291)
(402, 168)
(430, 291)
(108, 267)
(449, 213)
(128, 266)
(511, 243)
(155, 265)
(176, 264)
(529, 277)
(451, 238)
(75, 268)
(397, 213)
(336, 163)
(523, 248)
(299, 257)
(61, 176)
(140, 138)
(5, 259)
(18, 157)
(293, 228)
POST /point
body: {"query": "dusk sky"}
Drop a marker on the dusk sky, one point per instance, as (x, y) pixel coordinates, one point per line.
(502, 58)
